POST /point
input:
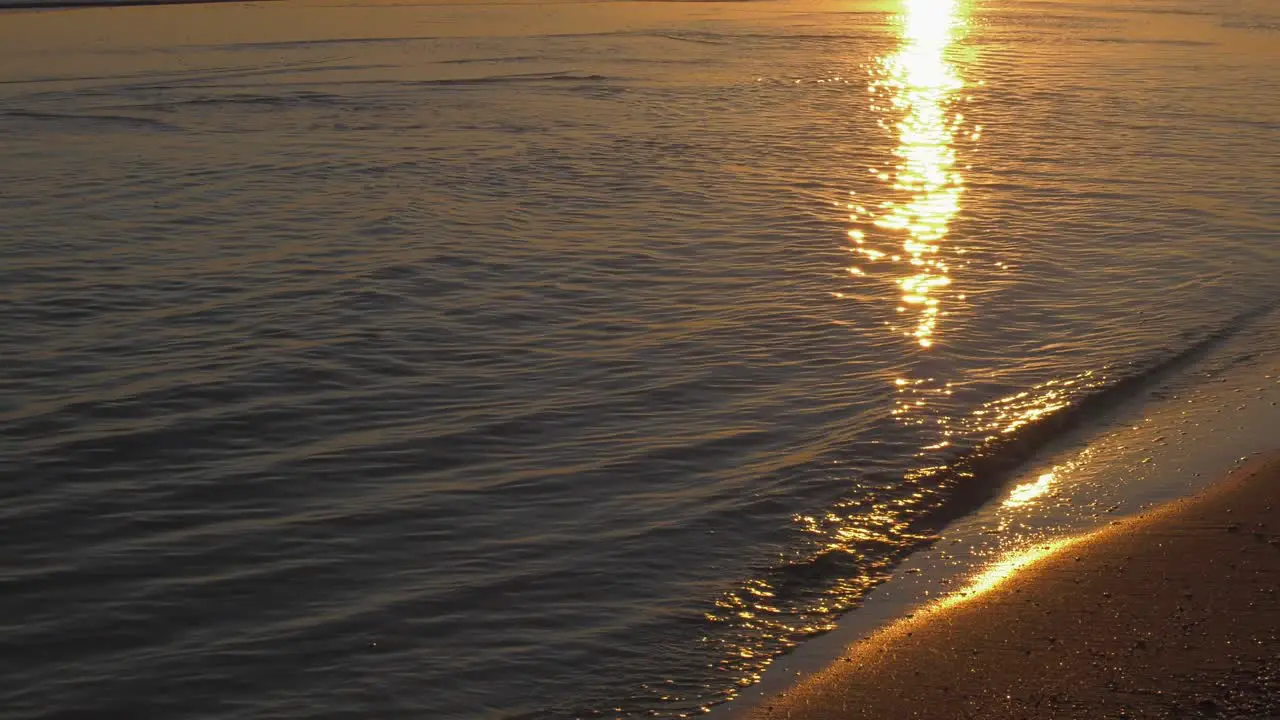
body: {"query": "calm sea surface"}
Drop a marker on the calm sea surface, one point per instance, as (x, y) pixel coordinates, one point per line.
(570, 360)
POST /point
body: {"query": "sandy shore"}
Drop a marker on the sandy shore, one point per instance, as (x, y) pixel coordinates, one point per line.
(1174, 613)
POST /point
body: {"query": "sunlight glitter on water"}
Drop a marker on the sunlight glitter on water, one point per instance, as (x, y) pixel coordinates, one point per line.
(914, 87)
(920, 84)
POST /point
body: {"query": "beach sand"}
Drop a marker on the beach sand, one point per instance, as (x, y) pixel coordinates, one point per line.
(1171, 614)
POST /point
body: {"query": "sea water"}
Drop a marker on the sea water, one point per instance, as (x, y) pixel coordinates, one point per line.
(554, 360)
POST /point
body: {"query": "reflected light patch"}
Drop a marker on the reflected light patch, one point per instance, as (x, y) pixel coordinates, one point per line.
(1003, 569)
(1028, 493)
(1007, 415)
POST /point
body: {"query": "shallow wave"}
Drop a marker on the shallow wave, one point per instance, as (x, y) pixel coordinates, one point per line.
(94, 121)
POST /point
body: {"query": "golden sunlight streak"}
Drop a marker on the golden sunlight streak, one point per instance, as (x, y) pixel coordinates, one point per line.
(1001, 570)
(920, 83)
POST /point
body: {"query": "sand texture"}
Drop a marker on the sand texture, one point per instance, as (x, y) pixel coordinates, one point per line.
(1172, 614)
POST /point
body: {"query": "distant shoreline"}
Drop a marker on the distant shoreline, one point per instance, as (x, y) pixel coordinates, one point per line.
(75, 4)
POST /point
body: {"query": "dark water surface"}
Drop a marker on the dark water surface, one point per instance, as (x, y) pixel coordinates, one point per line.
(572, 360)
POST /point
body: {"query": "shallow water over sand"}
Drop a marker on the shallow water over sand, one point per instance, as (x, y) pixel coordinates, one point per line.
(549, 361)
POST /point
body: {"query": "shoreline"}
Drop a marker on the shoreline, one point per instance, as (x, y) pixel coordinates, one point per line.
(1171, 611)
(1159, 447)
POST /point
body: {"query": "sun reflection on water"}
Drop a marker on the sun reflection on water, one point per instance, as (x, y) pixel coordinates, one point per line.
(897, 237)
(920, 84)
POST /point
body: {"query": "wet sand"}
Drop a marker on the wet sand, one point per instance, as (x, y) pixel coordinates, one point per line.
(1174, 613)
